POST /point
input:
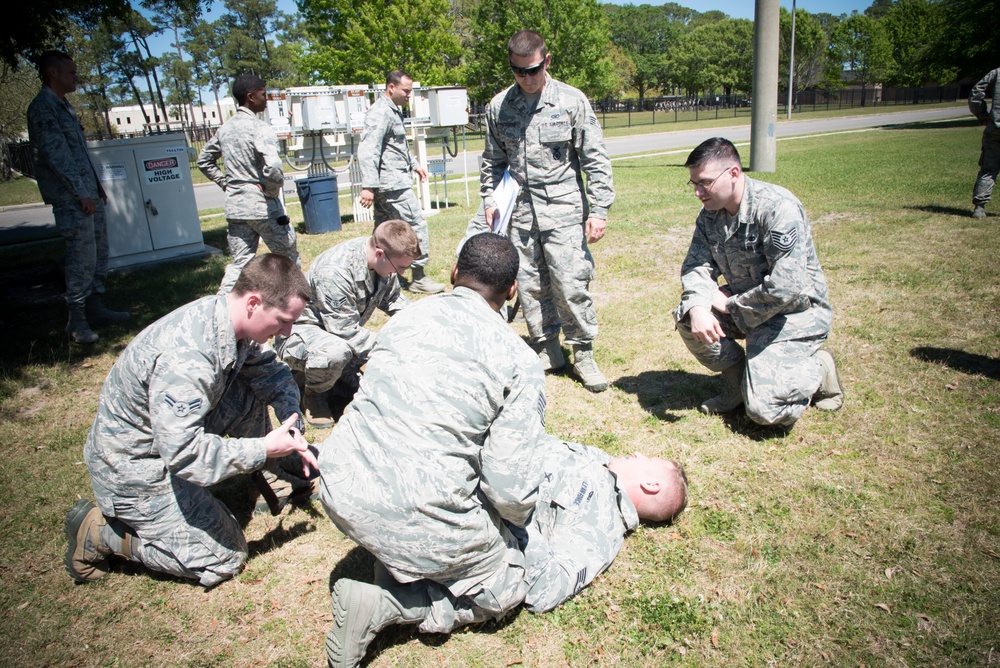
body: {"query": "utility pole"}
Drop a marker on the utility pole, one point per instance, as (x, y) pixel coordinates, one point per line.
(764, 115)
(791, 67)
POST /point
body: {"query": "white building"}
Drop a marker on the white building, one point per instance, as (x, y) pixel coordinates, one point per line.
(131, 120)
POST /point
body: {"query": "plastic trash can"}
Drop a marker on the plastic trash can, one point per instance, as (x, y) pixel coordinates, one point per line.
(318, 196)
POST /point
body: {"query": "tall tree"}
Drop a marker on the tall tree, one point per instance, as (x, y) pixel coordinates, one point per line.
(358, 41)
(32, 27)
(813, 67)
(971, 42)
(645, 34)
(714, 56)
(863, 45)
(576, 34)
(913, 27)
(19, 85)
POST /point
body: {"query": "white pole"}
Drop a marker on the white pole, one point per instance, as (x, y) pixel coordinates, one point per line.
(791, 67)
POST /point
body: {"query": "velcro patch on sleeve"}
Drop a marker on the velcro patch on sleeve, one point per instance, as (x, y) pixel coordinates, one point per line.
(785, 241)
(182, 408)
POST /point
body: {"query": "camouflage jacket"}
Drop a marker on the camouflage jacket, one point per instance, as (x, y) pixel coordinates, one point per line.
(582, 515)
(346, 294)
(384, 155)
(151, 413)
(63, 169)
(766, 254)
(253, 179)
(986, 87)
(546, 148)
(443, 439)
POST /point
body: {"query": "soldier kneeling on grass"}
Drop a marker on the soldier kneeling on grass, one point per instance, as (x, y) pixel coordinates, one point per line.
(451, 482)
(185, 407)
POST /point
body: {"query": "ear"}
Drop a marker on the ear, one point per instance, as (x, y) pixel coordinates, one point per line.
(650, 486)
(512, 291)
(253, 302)
(454, 274)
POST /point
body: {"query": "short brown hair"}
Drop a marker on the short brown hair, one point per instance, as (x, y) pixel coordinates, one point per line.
(671, 500)
(276, 278)
(397, 239)
(525, 43)
(716, 149)
(396, 77)
(50, 58)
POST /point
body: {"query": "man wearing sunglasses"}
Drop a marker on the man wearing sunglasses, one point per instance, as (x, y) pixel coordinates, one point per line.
(329, 342)
(757, 236)
(545, 132)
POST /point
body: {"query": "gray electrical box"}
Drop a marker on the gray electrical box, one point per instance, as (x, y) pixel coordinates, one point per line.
(319, 112)
(151, 210)
(449, 105)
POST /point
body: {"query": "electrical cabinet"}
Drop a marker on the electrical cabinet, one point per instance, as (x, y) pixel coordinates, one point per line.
(151, 211)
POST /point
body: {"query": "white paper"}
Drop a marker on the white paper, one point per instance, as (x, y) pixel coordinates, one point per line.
(505, 195)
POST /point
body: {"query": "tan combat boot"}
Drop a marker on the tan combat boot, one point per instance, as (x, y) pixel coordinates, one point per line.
(830, 395)
(316, 409)
(86, 554)
(586, 368)
(731, 398)
(98, 314)
(361, 610)
(78, 329)
(424, 284)
(550, 354)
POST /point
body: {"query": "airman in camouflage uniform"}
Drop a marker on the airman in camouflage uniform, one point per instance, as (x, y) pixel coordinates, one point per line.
(439, 481)
(159, 440)
(989, 158)
(67, 180)
(349, 281)
(547, 135)
(758, 237)
(252, 181)
(424, 469)
(386, 172)
(587, 502)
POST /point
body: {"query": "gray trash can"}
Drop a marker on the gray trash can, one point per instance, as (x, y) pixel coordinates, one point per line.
(320, 204)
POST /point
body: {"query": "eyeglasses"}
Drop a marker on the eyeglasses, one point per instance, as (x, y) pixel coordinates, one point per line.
(391, 263)
(526, 71)
(706, 184)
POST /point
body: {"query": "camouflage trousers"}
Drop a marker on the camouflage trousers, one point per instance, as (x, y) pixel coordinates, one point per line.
(86, 240)
(781, 372)
(244, 237)
(455, 604)
(318, 354)
(403, 205)
(989, 165)
(553, 283)
(187, 532)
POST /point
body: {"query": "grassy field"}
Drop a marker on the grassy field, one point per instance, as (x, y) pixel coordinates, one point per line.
(867, 537)
(617, 124)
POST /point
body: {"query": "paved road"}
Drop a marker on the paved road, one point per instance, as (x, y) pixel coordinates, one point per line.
(35, 221)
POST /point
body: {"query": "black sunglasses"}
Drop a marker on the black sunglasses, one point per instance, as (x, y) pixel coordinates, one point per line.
(526, 71)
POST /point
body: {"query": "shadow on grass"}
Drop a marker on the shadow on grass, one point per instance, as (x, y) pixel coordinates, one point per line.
(943, 210)
(661, 391)
(34, 310)
(931, 125)
(969, 363)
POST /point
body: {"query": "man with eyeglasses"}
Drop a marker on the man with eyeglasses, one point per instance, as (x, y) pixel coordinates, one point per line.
(387, 167)
(545, 132)
(329, 343)
(757, 236)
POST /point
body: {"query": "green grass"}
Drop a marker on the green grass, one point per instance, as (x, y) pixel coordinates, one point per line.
(865, 537)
